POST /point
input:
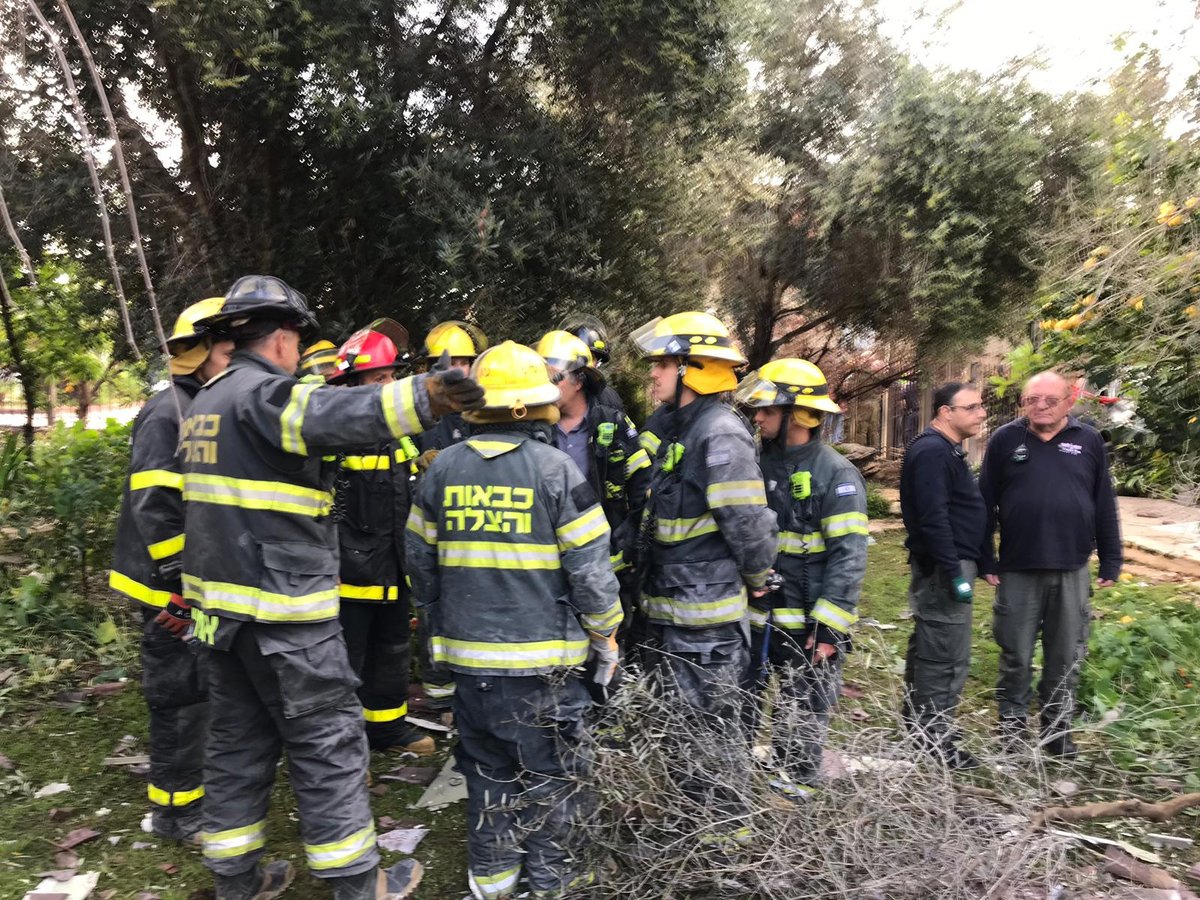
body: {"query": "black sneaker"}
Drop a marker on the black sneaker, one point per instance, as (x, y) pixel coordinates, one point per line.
(960, 759)
(1060, 745)
(1013, 732)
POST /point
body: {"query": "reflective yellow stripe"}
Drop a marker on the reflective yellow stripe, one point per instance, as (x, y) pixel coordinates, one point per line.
(272, 496)
(492, 446)
(367, 463)
(846, 523)
(501, 884)
(603, 622)
(137, 591)
(650, 442)
(636, 462)
(581, 531)
(235, 841)
(385, 715)
(758, 617)
(264, 606)
(735, 493)
(672, 531)
(686, 612)
(498, 555)
(617, 561)
(525, 655)
(833, 615)
(793, 619)
(173, 798)
(291, 420)
(795, 543)
(166, 548)
(148, 478)
(400, 407)
(420, 526)
(336, 854)
(368, 592)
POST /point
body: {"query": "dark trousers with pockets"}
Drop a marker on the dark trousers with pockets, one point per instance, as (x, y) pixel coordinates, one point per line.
(939, 650)
(377, 641)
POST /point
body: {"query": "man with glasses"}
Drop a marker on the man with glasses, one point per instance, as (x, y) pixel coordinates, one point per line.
(1045, 481)
(945, 519)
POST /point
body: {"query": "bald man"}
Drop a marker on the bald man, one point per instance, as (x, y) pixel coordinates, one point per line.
(1045, 481)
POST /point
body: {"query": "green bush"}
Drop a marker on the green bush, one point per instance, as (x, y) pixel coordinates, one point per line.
(66, 505)
(878, 506)
(1140, 678)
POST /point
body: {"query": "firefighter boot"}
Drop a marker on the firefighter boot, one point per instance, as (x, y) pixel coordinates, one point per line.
(260, 883)
(396, 883)
(1056, 739)
(178, 826)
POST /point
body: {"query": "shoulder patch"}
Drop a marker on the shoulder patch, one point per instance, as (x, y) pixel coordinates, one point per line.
(846, 489)
(717, 458)
(583, 495)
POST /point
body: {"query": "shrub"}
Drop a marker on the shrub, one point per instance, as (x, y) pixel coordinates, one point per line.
(878, 506)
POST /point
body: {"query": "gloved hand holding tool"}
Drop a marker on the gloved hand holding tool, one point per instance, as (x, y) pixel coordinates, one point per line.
(450, 390)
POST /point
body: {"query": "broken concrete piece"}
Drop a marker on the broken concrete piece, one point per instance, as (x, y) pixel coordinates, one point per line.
(56, 787)
(76, 888)
(449, 787)
(402, 840)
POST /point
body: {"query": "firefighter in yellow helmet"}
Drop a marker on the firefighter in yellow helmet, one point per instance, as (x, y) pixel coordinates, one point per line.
(146, 569)
(461, 342)
(803, 629)
(508, 550)
(318, 361)
(707, 537)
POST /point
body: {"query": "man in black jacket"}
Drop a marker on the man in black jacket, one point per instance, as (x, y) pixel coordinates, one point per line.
(945, 518)
(1045, 481)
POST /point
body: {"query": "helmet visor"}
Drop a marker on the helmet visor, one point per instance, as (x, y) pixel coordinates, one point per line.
(756, 391)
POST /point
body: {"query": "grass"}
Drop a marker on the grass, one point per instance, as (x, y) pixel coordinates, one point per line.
(51, 741)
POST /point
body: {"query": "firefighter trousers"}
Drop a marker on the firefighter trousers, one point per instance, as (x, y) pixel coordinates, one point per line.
(301, 700)
(520, 750)
(377, 641)
(808, 694)
(174, 683)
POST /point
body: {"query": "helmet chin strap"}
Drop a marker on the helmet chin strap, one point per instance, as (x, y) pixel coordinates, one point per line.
(682, 370)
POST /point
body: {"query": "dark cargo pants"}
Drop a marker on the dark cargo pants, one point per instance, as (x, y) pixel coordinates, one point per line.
(519, 748)
(939, 650)
(175, 685)
(301, 700)
(809, 692)
(1056, 603)
(377, 642)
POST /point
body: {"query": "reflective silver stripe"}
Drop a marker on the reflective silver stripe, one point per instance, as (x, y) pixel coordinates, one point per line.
(420, 526)
(336, 854)
(758, 618)
(684, 612)
(235, 841)
(498, 885)
(672, 531)
(791, 619)
(400, 407)
(795, 543)
(274, 496)
(736, 493)
(526, 655)
(291, 420)
(583, 530)
(604, 621)
(262, 605)
(498, 555)
(834, 616)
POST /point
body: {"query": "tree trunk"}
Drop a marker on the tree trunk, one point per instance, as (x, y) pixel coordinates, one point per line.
(84, 400)
(16, 349)
(51, 401)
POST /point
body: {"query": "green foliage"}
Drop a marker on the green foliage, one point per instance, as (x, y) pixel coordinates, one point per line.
(1140, 677)
(67, 507)
(878, 506)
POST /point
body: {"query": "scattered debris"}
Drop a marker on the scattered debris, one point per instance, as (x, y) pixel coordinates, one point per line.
(77, 837)
(139, 760)
(145, 823)
(1169, 840)
(1065, 788)
(102, 812)
(169, 868)
(1136, 852)
(58, 874)
(55, 787)
(1122, 865)
(66, 859)
(421, 775)
(62, 813)
(79, 887)
(859, 715)
(143, 845)
(147, 895)
(427, 724)
(114, 840)
(402, 840)
(378, 790)
(386, 823)
(7, 764)
(851, 690)
(449, 787)
(105, 690)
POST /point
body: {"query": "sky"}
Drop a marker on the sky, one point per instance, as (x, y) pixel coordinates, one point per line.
(1075, 37)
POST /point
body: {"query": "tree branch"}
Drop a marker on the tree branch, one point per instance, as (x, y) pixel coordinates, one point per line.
(1129, 807)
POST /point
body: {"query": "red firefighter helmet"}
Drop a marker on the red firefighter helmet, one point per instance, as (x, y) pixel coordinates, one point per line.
(381, 345)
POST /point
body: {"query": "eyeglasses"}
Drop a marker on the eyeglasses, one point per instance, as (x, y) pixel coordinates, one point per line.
(970, 407)
(1041, 401)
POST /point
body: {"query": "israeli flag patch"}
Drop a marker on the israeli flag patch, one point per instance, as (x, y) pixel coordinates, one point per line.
(846, 489)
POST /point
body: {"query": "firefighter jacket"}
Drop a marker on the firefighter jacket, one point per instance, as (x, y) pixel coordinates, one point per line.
(262, 545)
(508, 553)
(371, 502)
(820, 500)
(707, 532)
(618, 471)
(449, 430)
(149, 546)
(655, 427)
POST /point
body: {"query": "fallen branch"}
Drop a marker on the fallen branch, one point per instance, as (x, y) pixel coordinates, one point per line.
(1131, 807)
(1122, 865)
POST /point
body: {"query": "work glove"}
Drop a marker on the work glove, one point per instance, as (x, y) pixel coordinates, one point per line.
(604, 651)
(450, 390)
(425, 459)
(176, 616)
(962, 590)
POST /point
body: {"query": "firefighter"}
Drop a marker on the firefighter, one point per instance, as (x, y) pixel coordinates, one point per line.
(260, 573)
(509, 554)
(463, 342)
(592, 332)
(318, 361)
(146, 569)
(707, 535)
(372, 500)
(603, 442)
(820, 500)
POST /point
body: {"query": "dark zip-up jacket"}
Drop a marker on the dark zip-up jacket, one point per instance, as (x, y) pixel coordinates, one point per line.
(147, 558)
(261, 543)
